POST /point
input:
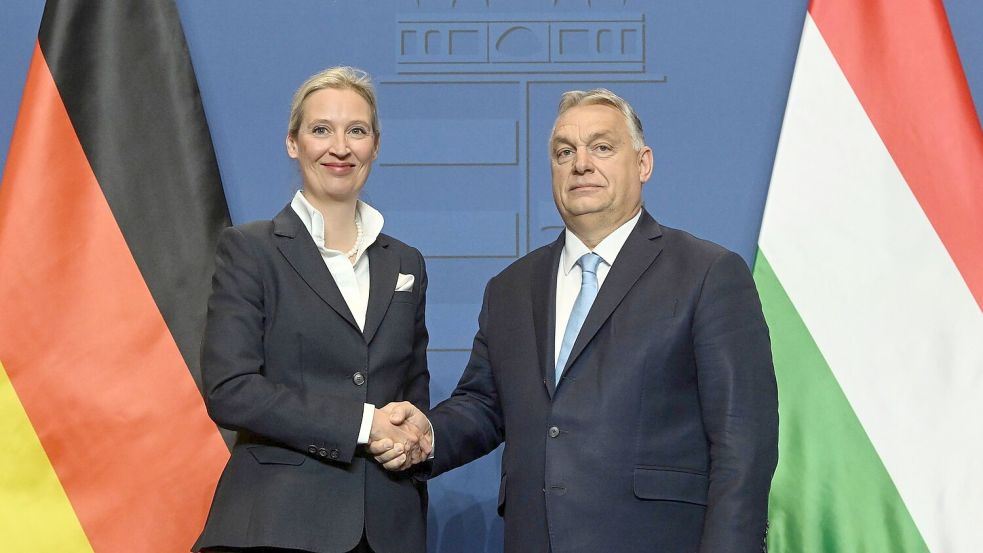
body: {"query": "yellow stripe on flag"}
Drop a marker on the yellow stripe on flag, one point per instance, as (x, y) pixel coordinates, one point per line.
(35, 514)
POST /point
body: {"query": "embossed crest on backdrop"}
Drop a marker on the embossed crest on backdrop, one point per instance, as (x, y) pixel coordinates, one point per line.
(485, 76)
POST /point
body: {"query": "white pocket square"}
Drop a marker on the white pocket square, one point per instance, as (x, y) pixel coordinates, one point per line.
(404, 283)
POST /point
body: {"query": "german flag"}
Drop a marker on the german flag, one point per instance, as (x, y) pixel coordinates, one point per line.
(110, 207)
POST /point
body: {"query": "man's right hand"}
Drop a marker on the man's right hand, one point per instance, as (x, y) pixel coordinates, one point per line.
(401, 436)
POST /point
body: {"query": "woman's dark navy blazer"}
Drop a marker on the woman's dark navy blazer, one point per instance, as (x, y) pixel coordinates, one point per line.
(285, 365)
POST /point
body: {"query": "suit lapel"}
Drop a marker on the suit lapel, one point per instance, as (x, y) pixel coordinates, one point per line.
(544, 311)
(383, 273)
(639, 252)
(297, 246)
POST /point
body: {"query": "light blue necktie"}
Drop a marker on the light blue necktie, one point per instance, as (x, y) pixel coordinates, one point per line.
(588, 291)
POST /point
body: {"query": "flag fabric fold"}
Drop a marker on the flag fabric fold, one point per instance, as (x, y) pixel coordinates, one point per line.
(110, 207)
(870, 268)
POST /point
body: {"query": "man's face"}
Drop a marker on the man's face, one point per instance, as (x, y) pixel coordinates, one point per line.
(597, 174)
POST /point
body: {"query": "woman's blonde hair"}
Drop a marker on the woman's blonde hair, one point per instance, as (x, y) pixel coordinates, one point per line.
(341, 77)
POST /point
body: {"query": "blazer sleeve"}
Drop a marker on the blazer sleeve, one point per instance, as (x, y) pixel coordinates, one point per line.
(470, 423)
(237, 394)
(739, 402)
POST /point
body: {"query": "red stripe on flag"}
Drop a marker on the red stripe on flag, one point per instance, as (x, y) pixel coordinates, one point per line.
(87, 350)
(902, 63)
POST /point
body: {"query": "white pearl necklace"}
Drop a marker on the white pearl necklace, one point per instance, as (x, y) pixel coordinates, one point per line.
(350, 254)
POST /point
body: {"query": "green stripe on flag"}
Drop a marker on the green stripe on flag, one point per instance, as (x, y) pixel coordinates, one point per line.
(831, 492)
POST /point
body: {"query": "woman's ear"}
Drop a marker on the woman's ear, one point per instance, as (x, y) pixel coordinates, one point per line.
(292, 146)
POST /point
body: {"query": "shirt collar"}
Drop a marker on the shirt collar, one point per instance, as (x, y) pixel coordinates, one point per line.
(372, 222)
(608, 249)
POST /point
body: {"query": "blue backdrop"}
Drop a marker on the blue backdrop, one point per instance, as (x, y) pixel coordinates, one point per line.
(467, 91)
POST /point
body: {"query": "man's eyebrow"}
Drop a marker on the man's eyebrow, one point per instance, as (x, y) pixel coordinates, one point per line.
(559, 139)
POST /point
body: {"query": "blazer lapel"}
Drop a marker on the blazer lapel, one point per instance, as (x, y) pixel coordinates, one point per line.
(544, 311)
(639, 252)
(297, 246)
(383, 273)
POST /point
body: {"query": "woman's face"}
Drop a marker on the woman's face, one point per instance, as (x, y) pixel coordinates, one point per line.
(335, 144)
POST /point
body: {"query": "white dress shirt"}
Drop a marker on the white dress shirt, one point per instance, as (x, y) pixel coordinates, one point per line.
(352, 279)
(568, 273)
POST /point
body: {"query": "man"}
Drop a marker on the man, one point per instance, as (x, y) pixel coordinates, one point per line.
(651, 427)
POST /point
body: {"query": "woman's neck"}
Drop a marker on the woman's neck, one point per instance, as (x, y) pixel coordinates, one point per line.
(339, 221)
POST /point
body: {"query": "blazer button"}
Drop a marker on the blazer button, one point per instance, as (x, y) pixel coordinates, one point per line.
(554, 432)
(312, 449)
(334, 454)
(322, 452)
(358, 378)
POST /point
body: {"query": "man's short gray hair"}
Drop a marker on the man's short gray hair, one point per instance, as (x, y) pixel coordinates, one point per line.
(604, 97)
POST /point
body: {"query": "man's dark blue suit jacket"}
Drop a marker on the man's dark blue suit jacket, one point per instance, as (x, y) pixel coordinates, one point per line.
(661, 435)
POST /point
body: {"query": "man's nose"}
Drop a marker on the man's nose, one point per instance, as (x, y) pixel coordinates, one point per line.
(582, 163)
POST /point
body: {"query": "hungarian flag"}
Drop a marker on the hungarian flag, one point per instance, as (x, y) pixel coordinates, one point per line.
(110, 206)
(870, 268)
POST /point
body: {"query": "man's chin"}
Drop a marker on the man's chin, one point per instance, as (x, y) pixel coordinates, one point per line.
(580, 209)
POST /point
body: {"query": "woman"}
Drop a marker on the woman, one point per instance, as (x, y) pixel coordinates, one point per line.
(315, 318)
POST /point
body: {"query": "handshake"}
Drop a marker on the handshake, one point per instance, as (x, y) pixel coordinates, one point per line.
(401, 436)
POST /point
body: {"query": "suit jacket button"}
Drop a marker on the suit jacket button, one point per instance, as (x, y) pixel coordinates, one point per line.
(559, 490)
(358, 378)
(554, 432)
(334, 454)
(322, 452)
(312, 449)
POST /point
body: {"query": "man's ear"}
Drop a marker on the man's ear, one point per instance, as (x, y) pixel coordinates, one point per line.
(646, 163)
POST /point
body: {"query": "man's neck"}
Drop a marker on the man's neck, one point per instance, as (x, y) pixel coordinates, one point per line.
(593, 228)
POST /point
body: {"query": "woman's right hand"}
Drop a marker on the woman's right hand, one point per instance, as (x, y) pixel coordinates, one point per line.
(401, 436)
